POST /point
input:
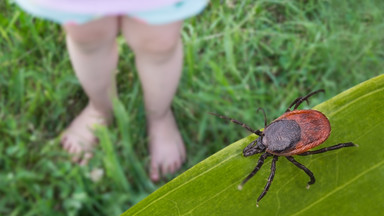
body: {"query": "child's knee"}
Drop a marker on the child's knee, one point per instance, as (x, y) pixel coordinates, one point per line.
(93, 35)
(153, 40)
(154, 45)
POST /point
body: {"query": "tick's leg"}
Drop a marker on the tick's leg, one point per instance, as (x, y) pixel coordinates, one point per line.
(270, 179)
(265, 116)
(330, 148)
(258, 166)
(306, 170)
(300, 100)
(251, 149)
(258, 132)
(293, 103)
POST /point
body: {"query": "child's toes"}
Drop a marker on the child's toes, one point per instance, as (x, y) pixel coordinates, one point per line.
(73, 149)
(86, 157)
(76, 158)
(154, 173)
(174, 167)
(64, 143)
(177, 165)
(170, 169)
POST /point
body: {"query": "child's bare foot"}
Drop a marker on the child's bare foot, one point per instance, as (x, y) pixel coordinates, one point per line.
(78, 139)
(166, 147)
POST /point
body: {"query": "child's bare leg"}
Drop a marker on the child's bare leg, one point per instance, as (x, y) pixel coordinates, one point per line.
(158, 51)
(93, 52)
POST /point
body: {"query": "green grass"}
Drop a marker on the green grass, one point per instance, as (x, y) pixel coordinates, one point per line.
(239, 55)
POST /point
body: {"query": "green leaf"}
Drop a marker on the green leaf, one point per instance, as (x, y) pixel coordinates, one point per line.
(349, 181)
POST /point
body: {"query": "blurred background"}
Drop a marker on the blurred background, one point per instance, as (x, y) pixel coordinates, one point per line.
(239, 55)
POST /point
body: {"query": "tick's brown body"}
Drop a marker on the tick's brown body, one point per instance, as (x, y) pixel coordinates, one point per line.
(314, 130)
(293, 133)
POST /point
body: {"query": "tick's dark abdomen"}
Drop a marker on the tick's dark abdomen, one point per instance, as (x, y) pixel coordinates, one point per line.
(281, 135)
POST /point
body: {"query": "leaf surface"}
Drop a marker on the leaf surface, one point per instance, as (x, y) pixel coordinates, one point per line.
(349, 181)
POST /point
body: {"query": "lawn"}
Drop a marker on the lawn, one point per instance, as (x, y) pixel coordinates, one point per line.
(239, 55)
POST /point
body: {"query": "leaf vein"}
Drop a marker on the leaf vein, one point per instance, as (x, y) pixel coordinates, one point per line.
(202, 173)
(231, 185)
(340, 187)
(353, 101)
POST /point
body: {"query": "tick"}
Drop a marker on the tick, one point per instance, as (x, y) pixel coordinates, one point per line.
(293, 133)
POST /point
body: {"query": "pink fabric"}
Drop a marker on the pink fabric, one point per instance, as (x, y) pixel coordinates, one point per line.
(104, 6)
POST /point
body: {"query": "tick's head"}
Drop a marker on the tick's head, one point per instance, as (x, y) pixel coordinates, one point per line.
(254, 147)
